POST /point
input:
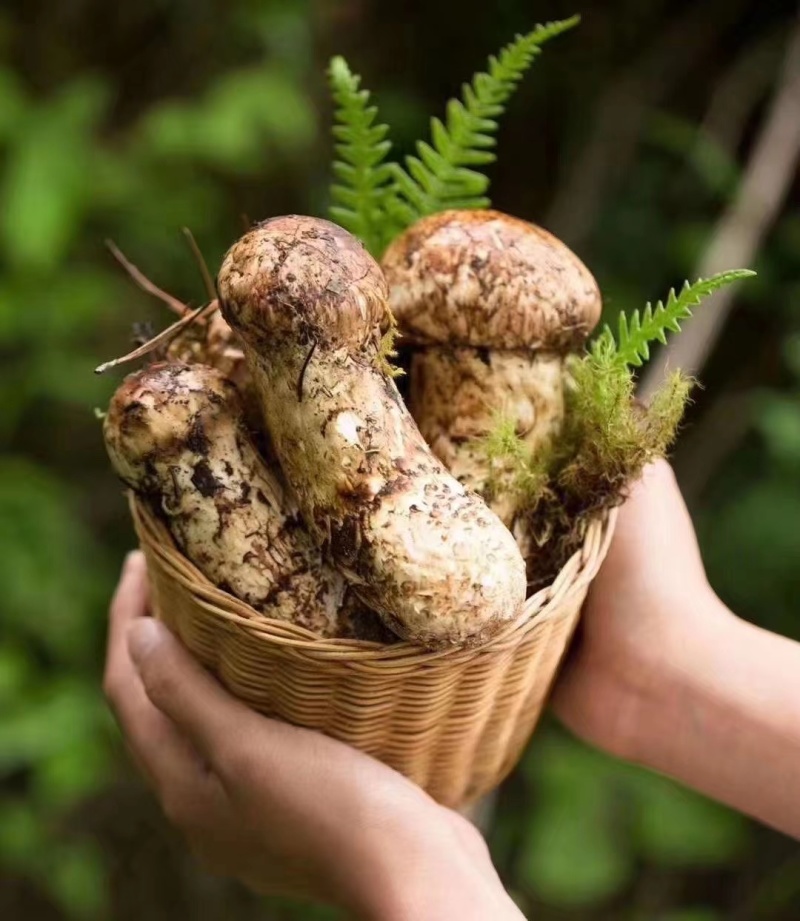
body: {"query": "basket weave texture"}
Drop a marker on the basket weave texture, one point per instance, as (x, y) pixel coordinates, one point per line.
(454, 721)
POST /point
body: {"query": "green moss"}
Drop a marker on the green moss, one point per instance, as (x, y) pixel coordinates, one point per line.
(607, 440)
(608, 436)
(512, 468)
(502, 441)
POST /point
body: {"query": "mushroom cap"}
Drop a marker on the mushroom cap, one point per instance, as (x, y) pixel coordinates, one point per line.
(158, 410)
(485, 279)
(300, 280)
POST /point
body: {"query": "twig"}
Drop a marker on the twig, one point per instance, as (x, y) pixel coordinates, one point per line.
(208, 281)
(164, 336)
(303, 371)
(744, 224)
(144, 282)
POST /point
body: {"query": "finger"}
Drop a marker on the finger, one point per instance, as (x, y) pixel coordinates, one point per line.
(188, 792)
(131, 596)
(163, 755)
(178, 774)
(130, 602)
(655, 492)
(154, 742)
(168, 761)
(654, 513)
(654, 546)
(237, 743)
(656, 480)
(180, 688)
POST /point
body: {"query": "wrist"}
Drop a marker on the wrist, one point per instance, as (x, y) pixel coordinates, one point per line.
(615, 688)
(728, 721)
(674, 674)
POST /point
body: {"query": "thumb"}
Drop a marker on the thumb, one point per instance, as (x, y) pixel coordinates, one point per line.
(181, 689)
(655, 525)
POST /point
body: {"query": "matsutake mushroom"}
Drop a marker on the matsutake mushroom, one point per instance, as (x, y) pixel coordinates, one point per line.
(309, 305)
(491, 304)
(175, 435)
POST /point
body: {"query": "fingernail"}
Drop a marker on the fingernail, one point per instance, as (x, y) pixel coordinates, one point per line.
(143, 637)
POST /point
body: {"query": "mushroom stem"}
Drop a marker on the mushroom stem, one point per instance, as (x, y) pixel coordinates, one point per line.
(459, 397)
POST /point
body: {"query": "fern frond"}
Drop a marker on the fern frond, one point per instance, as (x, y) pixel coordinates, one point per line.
(441, 176)
(361, 177)
(631, 347)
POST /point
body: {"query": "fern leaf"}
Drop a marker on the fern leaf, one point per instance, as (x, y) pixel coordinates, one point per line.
(362, 178)
(441, 175)
(631, 347)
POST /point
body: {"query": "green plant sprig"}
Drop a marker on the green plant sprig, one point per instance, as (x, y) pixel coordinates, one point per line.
(441, 175)
(631, 347)
(375, 199)
(608, 437)
(361, 176)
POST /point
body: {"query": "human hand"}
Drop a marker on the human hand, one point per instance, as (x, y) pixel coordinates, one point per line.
(283, 809)
(650, 596)
(665, 675)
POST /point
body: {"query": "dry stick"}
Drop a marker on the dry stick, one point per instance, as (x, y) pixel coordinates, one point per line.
(621, 111)
(741, 229)
(144, 282)
(208, 281)
(164, 336)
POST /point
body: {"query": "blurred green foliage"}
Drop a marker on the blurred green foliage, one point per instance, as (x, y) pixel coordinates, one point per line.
(173, 115)
(596, 823)
(69, 177)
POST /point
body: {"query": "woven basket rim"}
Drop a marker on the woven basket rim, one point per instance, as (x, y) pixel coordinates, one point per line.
(573, 578)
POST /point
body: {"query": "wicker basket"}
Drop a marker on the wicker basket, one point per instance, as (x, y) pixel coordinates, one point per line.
(453, 721)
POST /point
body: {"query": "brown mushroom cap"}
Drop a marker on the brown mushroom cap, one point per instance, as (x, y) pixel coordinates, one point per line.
(485, 279)
(157, 410)
(298, 279)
